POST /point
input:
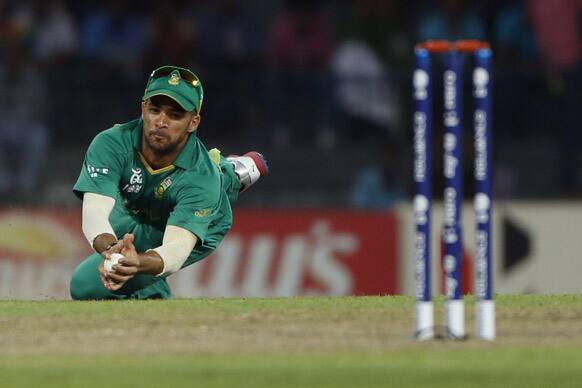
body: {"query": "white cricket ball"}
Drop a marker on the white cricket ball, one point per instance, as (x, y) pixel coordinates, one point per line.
(114, 259)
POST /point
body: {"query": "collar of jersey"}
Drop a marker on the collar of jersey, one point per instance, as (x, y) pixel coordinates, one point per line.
(185, 159)
(153, 171)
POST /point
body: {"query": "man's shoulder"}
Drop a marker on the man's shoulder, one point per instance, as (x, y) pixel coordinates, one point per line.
(204, 173)
(119, 134)
(197, 160)
(123, 130)
(207, 166)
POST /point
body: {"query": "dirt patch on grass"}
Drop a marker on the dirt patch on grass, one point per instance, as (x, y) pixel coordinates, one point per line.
(265, 325)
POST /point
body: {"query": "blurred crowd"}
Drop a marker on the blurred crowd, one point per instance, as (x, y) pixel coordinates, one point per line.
(303, 81)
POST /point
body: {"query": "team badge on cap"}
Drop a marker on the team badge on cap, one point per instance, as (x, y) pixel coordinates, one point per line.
(174, 78)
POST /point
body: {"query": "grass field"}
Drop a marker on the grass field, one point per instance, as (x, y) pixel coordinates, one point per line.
(293, 342)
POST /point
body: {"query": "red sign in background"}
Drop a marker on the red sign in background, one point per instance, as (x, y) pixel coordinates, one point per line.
(304, 252)
(267, 253)
(38, 250)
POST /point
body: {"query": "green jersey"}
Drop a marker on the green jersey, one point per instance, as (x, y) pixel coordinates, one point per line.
(188, 194)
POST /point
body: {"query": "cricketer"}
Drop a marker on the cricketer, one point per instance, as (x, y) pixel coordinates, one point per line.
(153, 193)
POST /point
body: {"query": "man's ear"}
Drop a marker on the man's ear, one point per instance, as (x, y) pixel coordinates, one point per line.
(143, 108)
(194, 123)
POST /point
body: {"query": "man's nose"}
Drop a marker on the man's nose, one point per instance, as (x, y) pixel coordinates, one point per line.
(162, 120)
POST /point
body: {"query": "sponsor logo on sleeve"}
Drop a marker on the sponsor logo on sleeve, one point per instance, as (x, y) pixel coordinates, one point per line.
(94, 172)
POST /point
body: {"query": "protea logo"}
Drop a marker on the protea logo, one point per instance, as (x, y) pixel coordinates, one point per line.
(174, 79)
(161, 189)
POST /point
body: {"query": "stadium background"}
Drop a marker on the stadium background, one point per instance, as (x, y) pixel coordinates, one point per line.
(323, 89)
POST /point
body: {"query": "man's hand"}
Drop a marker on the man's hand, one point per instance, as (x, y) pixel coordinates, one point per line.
(125, 269)
(104, 275)
(106, 242)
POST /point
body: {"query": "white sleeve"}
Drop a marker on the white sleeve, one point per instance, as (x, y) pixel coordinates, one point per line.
(176, 246)
(96, 210)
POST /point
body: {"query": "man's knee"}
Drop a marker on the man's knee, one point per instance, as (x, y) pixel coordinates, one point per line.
(81, 289)
(86, 283)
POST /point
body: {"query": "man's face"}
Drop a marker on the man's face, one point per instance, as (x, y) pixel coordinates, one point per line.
(166, 125)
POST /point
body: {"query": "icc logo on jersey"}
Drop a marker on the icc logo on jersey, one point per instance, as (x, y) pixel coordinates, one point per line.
(135, 181)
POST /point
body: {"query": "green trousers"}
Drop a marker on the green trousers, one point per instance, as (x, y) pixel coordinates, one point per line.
(86, 283)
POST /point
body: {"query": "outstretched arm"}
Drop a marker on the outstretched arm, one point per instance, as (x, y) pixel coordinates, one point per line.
(98, 230)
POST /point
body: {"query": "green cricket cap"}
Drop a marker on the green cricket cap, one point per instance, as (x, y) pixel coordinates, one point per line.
(180, 84)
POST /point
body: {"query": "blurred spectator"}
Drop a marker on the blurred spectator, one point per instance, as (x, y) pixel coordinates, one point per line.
(299, 54)
(14, 21)
(558, 33)
(378, 185)
(385, 26)
(557, 26)
(334, 73)
(367, 97)
(115, 33)
(54, 32)
(231, 48)
(23, 135)
(233, 34)
(516, 68)
(172, 36)
(451, 20)
(513, 40)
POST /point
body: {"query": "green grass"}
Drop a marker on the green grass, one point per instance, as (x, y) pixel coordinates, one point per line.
(290, 342)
